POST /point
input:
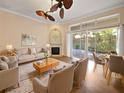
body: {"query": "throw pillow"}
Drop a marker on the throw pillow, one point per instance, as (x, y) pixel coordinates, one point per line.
(38, 49)
(3, 65)
(4, 58)
(29, 51)
(58, 69)
(13, 61)
(33, 51)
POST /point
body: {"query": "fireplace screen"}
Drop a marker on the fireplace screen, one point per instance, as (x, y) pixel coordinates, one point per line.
(55, 50)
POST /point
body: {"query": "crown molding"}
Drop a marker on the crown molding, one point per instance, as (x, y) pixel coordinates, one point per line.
(91, 14)
(22, 15)
(66, 21)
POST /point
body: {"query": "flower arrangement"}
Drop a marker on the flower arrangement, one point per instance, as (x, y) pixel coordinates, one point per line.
(45, 54)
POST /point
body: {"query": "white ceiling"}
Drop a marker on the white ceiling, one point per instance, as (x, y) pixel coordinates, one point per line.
(79, 8)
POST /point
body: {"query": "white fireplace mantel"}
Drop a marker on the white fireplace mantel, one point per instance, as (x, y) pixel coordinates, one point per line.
(55, 40)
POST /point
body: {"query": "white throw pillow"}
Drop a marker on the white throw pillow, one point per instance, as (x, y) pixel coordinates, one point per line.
(32, 51)
(3, 65)
(4, 58)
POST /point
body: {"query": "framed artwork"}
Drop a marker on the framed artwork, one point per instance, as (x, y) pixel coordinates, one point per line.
(28, 40)
(55, 37)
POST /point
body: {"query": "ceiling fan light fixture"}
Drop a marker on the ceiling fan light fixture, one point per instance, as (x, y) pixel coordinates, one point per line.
(60, 4)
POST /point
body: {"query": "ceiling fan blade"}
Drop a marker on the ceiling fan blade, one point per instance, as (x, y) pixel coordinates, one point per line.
(61, 13)
(40, 13)
(54, 7)
(50, 18)
(59, 0)
(67, 3)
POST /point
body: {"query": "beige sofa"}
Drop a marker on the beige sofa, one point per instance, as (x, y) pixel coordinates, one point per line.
(29, 54)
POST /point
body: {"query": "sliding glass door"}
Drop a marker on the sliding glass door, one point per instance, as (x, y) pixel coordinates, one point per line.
(79, 43)
(102, 41)
(91, 43)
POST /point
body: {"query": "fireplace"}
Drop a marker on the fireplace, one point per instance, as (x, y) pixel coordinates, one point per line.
(55, 50)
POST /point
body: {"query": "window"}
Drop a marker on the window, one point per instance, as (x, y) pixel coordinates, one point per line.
(101, 41)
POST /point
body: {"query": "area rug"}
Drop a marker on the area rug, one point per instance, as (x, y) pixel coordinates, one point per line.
(25, 87)
(27, 73)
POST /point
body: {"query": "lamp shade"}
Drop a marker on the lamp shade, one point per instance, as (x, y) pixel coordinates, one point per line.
(47, 45)
(9, 47)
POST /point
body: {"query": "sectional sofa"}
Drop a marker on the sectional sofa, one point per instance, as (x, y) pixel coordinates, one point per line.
(29, 54)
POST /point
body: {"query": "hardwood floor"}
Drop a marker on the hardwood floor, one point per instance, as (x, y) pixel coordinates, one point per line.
(95, 81)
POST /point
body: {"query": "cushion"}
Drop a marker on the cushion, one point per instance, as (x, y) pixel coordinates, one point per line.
(32, 51)
(12, 61)
(4, 58)
(22, 51)
(3, 65)
(43, 50)
(23, 57)
(40, 55)
(58, 69)
(38, 49)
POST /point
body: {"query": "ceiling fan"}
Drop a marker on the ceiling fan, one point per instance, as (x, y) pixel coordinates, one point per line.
(60, 4)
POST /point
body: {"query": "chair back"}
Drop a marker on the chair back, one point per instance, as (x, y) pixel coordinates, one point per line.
(80, 72)
(62, 81)
(95, 57)
(116, 64)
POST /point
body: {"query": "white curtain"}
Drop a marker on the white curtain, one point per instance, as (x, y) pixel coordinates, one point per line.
(120, 41)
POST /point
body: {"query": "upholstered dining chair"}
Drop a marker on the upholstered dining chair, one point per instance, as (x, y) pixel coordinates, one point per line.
(99, 61)
(80, 72)
(59, 82)
(116, 65)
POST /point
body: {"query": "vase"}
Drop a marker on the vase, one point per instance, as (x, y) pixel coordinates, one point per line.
(46, 60)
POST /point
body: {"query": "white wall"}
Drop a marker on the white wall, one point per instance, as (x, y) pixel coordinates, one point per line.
(12, 26)
(120, 41)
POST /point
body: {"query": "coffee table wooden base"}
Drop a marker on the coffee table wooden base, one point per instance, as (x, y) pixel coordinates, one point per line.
(45, 66)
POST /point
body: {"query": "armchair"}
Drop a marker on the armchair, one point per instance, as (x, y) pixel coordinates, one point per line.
(59, 82)
(10, 76)
(80, 72)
